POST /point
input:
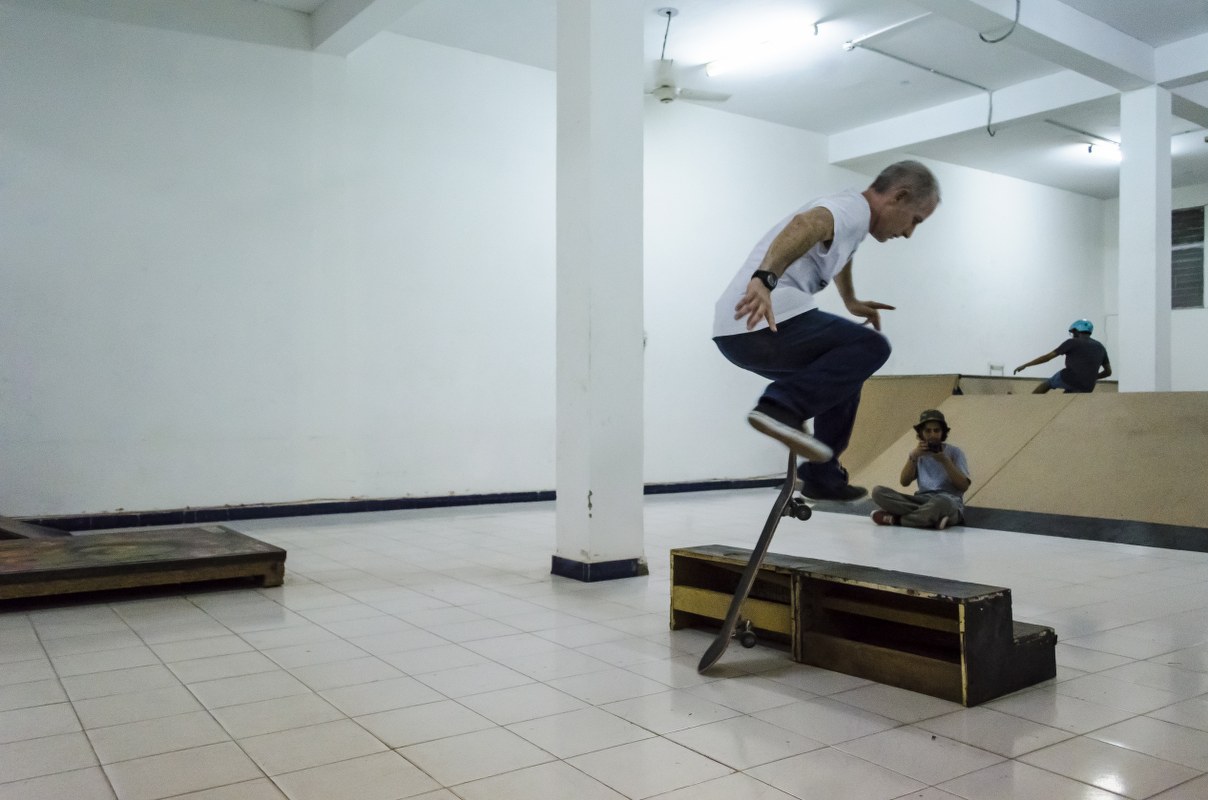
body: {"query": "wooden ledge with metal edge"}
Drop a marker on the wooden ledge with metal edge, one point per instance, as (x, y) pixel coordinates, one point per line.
(944, 638)
(129, 559)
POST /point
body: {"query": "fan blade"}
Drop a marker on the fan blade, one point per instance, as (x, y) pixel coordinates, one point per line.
(701, 94)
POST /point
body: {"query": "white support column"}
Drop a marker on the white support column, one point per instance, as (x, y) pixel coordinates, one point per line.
(599, 293)
(1145, 206)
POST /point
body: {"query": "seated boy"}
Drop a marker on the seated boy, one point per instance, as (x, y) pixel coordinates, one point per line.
(943, 476)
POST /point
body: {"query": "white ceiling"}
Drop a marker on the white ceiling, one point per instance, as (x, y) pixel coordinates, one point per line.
(871, 103)
(1066, 62)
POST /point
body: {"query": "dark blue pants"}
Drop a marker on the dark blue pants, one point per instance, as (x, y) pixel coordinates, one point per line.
(817, 363)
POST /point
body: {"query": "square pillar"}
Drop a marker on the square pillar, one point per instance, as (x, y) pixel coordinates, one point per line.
(599, 292)
(1144, 274)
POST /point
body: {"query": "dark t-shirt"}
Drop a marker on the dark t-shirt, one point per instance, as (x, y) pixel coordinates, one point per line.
(1083, 358)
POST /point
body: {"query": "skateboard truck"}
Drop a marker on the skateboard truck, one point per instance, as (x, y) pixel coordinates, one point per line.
(745, 634)
(798, 509)
(788, 504)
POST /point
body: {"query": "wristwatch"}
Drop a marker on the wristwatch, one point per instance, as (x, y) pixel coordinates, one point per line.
(767, 278)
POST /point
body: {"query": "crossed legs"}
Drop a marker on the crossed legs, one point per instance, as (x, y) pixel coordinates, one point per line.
(916, 510)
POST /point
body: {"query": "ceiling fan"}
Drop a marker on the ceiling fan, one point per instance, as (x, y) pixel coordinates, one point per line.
(665, 87)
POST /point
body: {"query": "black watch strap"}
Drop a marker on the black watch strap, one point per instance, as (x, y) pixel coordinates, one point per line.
(765, 277)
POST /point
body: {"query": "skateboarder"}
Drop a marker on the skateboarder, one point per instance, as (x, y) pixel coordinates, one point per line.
(1085, 362)
(767, 320)
(943, 476)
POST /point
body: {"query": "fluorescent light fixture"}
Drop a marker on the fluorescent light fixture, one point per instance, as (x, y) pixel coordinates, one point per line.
(754, 54)
(1107, 151)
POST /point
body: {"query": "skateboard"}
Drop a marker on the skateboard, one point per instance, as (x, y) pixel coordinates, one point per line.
(787, 504)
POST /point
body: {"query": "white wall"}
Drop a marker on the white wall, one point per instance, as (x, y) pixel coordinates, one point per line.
(238, 274)
(993, 277)
(232, 273)
(1188, 326)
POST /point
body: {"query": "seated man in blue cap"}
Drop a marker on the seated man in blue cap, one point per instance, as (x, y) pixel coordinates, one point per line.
(943, 476)
(1085, 361)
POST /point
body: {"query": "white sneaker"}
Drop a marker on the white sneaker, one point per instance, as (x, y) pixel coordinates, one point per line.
(943, 523)
(795, 439)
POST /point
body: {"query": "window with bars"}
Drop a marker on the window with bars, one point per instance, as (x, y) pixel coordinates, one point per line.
(1187, 258)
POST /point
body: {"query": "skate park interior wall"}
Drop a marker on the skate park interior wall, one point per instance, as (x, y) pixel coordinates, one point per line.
(244, 274)
(972, 292)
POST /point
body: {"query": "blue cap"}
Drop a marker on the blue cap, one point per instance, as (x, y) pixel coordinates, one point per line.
(1082, 326)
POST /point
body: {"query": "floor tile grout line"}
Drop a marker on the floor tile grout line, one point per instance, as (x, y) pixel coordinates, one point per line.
(639, 610)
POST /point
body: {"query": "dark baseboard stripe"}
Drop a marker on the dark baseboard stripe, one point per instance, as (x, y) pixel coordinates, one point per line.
(1118, 531)
(711, 486)
(202, 516)
(1147, 534)
(599, 571)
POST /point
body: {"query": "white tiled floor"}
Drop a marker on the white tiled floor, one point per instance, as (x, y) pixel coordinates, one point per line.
(430, 654)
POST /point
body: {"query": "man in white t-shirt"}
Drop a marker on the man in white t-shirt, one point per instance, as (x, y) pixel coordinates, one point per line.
(768, 322)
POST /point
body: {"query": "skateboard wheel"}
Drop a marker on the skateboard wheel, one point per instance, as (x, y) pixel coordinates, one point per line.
(747, 639)
(800, 509)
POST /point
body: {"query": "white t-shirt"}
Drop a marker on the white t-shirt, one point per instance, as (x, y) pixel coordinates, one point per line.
(932, 476)
(806, 276)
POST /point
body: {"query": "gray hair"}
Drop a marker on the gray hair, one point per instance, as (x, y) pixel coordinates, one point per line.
(911, 176)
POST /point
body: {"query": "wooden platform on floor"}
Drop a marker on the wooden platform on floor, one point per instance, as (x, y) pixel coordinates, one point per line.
(948, 639)
(127, 559)
(16, 529)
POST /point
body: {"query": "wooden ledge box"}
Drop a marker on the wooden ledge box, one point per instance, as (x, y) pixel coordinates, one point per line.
(945, 638)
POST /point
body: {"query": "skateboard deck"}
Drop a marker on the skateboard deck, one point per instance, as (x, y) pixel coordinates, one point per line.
(786, 504)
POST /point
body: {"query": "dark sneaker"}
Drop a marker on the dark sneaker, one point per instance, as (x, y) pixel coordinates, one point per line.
(764, 419)
(882, 517)
(843, 492)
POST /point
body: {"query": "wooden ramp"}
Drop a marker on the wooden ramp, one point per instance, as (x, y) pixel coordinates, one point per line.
(1113, 456)
(991, 429)
(994, 384)
(1130, 456)
(888, 406)
(123, 560)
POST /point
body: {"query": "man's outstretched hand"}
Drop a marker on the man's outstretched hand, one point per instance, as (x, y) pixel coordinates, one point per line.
(756, 305)
(870, 310)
